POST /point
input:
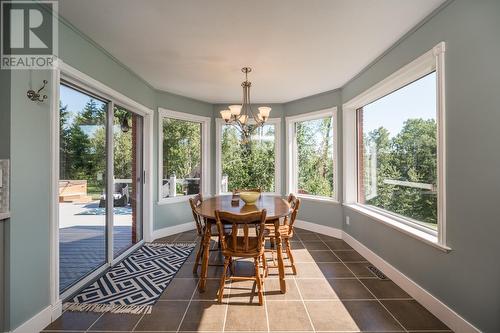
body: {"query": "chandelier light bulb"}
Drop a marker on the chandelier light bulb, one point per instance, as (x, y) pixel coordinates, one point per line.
(264, 112)
(226, 115)
(235, 110)
(243, 118)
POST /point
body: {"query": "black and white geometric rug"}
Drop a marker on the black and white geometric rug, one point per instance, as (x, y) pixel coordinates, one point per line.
(134, 285)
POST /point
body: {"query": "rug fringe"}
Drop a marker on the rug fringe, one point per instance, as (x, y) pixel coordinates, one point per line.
(186, 244)
(112, 308)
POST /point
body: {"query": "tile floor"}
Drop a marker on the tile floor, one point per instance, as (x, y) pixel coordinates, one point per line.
(333, 291)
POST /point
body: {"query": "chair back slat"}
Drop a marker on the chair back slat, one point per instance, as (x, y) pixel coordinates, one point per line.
(195, 202)
(295, 204)
(241, 222)
(245, 236)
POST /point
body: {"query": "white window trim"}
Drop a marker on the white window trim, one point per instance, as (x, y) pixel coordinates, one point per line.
(205, 153)
(432, 60)
(219, 122)
(291, 148)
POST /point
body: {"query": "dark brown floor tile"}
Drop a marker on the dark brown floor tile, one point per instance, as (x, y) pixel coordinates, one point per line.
(315, 245)
(166, 316)
(204, 316)
(315, 289)
(371, 316)
(327, 238)
(115, 322)
(288, 316)
(350, 289)
(186, 271)
(70, 320)
(210, 293)
(414, 316)
(302, 231)
(272, 290)
(440, 331)
(330, 316)
(360, 269)
(337, 244)
(216, 258)
(324, 256)
(192, 256)
(167, 239)
(246, 317)
(273, 271)
(187, 237)
(244, 267)
(350, 256)
(309, 237)
(296, 245)
(334, 270)
(180, 289)
(384, 288)
(242, 292)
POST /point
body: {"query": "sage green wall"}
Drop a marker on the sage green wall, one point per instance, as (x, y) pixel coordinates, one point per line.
(167, 215)
(321, 212)
(467, 278)
(27, 232)
(4, 153)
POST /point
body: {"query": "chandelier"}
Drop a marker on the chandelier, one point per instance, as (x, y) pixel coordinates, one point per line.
(241, 116)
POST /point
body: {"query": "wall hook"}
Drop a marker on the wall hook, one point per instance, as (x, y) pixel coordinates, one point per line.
(35, 95)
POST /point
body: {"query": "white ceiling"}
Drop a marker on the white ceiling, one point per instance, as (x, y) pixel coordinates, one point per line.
(196, 48)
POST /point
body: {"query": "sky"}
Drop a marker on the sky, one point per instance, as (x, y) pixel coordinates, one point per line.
(416, 100)
(75, 100)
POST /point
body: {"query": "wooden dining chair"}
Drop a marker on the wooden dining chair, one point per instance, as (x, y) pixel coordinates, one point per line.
(245, 239)
(201, 225)
(285, 231)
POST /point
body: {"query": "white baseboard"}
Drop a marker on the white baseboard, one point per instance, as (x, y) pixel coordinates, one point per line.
(56, 310)
(164, 232)
(322, 229)
(431, 303)
(39, 321)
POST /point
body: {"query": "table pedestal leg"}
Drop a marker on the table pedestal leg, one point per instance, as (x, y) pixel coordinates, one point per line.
(206, 254)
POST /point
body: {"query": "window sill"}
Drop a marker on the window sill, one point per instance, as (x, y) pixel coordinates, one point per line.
(402, 227)
(317, 198)
(168, 201)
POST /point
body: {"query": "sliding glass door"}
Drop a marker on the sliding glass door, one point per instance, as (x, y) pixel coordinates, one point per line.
(100, 184)
(127, 185)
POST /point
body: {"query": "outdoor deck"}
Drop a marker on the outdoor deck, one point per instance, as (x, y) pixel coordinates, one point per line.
(82, 239)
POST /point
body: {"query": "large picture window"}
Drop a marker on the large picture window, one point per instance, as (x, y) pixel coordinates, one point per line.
(248, 162)
(183, 155)
(311, 154)
(394, 150)
(397, 152)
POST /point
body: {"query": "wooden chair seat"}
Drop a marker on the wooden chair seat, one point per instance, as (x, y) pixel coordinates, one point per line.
(285, 231)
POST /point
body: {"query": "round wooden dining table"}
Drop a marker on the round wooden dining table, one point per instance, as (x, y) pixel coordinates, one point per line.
(275, 206)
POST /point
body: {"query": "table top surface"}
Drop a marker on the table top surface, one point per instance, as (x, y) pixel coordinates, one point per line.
(275, 206)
